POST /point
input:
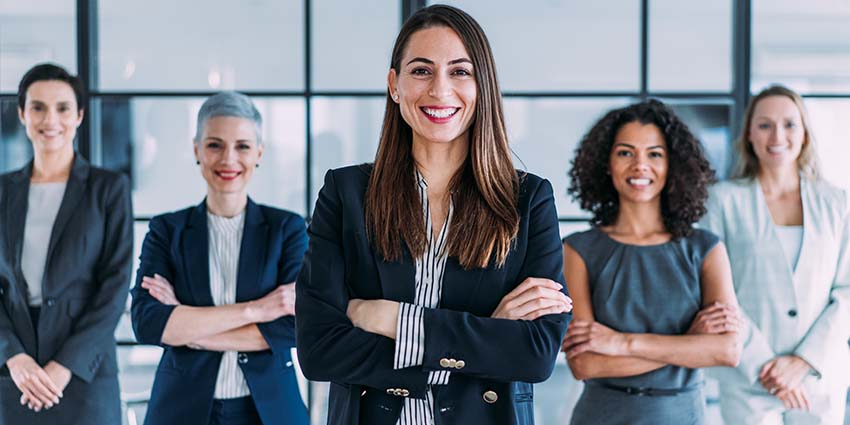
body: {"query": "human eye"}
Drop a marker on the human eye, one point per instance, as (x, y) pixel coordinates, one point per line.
(623, 153)
(244, 146)
(790, 125)
(213, 145)
(763, 126)
(420, 71)
(463, 72)
(656, 154)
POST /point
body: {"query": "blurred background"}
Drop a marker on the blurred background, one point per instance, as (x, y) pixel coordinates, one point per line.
(317, 71)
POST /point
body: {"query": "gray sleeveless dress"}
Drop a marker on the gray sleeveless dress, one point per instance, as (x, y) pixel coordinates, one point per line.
(644, 289)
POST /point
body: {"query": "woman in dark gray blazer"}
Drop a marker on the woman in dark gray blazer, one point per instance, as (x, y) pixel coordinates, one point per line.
(65, 258)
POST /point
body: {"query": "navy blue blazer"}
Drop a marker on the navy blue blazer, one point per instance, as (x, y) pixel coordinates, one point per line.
(177, 247)
(502, 357)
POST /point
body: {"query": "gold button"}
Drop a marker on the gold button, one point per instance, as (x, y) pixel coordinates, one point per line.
(405, 393)
(452, 363)
(397, 392)
(460, 364)
(390, 391)
(444, 362)
(490, 397)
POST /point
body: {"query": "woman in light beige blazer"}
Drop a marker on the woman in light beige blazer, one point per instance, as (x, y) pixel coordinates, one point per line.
(788, 236)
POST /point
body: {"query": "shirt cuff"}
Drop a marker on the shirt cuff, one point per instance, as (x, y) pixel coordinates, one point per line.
(410, 336)
(439, 377)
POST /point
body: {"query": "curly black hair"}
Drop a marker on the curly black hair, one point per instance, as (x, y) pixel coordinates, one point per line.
(688, 175)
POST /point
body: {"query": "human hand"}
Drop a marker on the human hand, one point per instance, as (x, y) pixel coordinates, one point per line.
(532, 298)
(60, 375)
(161, 289)
(277, 303)
(375, 316)
(795, 398)
(591, 336)
(783, 373)
(717, 318)
(37, 387)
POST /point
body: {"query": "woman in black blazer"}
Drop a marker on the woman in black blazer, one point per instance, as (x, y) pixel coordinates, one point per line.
(432, 286)
(65, 259)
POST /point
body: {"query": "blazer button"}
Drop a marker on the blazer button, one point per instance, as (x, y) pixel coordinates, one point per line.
(50, 302)
(404, 392)
(460, 364)
(391, 391)
(242, 358)
(490, 397)
(452, 363)
(1, 291)
(444, 362)
(792, 313)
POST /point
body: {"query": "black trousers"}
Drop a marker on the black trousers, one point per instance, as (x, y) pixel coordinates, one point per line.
(235, 411)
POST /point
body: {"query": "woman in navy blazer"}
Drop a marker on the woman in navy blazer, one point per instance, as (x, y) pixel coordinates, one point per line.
(432, 289)
(180, 297)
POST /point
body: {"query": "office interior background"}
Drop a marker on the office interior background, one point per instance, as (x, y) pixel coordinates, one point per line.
(317, 71)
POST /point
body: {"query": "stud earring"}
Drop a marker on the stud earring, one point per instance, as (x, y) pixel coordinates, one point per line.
(197, 162)
(257, 165)
(395, 96)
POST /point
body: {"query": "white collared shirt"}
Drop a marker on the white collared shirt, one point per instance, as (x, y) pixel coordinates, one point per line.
(410, 333)
(225, 241)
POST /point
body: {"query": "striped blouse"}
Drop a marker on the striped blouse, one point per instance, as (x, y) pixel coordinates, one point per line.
(225, 242)
(410, 333)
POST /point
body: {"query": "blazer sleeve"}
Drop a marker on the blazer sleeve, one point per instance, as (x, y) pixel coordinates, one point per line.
(10, 345)
(330, 348)
(280, 333)
(825, 345)
(756, 349)
(148, 315)
(532, 346)
(93, 333)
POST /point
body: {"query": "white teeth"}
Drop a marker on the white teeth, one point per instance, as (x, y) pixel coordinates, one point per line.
(776, 149)
(639, 182)
(440, 113)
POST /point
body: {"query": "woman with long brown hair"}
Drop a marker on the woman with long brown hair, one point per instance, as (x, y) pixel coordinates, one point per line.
(788, 233)
(432, 283)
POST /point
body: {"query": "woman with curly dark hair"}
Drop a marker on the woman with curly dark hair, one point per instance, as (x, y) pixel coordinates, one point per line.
(653, 297)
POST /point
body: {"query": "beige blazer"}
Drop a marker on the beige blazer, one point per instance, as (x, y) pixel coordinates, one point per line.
(803, 310)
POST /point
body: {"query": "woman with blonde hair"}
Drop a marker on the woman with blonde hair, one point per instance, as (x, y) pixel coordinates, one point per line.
(788, 235)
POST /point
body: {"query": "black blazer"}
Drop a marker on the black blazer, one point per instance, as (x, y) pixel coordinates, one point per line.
(502, 356)
(84, 291)
(177, 247)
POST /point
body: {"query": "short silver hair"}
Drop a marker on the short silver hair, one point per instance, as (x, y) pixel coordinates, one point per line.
(229, 104)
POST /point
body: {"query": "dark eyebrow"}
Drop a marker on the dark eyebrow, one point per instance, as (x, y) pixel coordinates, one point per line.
(417, 59)
(214, 139)
(632, 147)
(430, 62)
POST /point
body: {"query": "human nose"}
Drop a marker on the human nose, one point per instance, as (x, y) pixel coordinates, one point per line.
(440, 86)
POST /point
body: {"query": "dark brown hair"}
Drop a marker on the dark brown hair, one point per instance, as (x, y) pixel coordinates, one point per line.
(484, 189)
(748, 162)
(51, 72)
(688, 176)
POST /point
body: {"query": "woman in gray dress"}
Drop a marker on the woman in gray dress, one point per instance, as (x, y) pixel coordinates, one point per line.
(653, 297)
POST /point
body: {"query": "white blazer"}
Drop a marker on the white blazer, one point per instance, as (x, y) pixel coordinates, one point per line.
(803, 311)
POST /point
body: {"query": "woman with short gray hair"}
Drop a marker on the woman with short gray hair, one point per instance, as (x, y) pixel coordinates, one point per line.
(215, 288)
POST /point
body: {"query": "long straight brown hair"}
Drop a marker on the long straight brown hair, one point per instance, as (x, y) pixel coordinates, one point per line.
(484, 189)
(748, 163)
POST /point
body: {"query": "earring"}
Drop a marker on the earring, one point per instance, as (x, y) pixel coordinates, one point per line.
(395, 96)
(197, 162)
(257, 165)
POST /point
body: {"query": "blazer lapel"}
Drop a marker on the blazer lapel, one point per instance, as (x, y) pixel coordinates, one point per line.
(15, 219)
(252, 255)
(196, 252)
(459, 286)
(398, 278)
(75, 191)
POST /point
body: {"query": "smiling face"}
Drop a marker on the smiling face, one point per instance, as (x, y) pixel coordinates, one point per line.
(51, 115)
(638, 163)
(435, 86)
(776, 132)
(228, 154)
